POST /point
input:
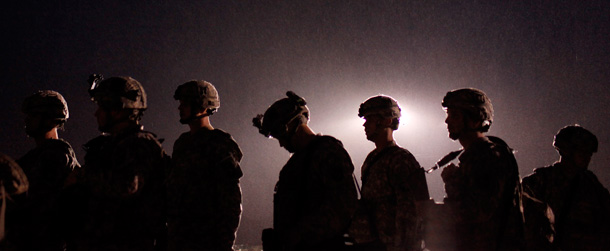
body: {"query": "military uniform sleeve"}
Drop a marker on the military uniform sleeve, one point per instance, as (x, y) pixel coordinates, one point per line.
(228, 193)
(401, 167)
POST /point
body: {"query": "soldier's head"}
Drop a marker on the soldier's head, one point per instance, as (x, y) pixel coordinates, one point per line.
(198, 99)
(576, 144)
(11, 176)
(44, 111)
(381, 113)
(467, 109)
(282, 119)
(119, 99)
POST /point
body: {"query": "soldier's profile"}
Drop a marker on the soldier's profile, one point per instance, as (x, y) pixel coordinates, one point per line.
(393, 182)
(483, 190)
(204, 195)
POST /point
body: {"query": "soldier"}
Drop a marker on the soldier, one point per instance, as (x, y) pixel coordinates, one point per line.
(315, 196)
(579, 202)
(124, 172)
(392, 181)
(204, 196)
(47, 167)
(483, 190)
(12, 182)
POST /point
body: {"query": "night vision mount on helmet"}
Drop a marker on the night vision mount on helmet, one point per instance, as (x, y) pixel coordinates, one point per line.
(117, 92)
(279, 117)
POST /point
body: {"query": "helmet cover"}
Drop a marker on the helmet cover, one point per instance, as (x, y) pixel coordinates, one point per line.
(49, 103)
(119, 93)
(575, 138)
(200, 93)
(280, 114)
(384, 106)
(473, 101)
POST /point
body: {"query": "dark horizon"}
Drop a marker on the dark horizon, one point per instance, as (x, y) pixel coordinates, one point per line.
(544, 65)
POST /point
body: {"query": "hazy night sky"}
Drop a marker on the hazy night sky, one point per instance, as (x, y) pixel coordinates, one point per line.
(544, 64)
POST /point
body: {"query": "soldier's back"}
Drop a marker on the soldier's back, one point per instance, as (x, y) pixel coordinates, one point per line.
(315, 195)
(580, 204)
(204, 195)
(39, 218)
(124, 176)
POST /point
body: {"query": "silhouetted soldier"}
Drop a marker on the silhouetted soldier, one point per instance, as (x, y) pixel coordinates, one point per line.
(12, 182)
(47, 167)
(124, 171)
(315, 196)
(483, 190)
(204, 196)
(580, 203)
(392, 182)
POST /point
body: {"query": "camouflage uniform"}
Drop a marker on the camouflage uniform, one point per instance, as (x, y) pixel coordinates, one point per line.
(204, 196)
(580, 203)
(315, 197)
(41, 215)
(482, 193)
(386, 211)
(125, 209)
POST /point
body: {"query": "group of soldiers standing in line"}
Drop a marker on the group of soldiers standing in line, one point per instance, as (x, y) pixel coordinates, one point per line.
(130, 195)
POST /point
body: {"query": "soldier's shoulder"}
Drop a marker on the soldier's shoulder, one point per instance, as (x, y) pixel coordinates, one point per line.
(139, 136)
(140, 139)
(56, 145)
(226, 142)
(488, 148)
(96, 143)
(543, 171)
(327, 140)
(401, 151)
(323, 145)
(539, 174)
(59, 143)
(222, 135)
(145, 135)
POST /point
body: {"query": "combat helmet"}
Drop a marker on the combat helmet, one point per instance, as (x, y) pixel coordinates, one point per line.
(382, 105)
(472, 101)
(118, 93)
(279, 118)
(575, 138)
(50, 104)
(200, 94)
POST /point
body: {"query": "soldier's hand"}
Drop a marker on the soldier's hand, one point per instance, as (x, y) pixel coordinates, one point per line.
(449, 171)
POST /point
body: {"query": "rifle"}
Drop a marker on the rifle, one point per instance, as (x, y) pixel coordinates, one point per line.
(445, 160)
